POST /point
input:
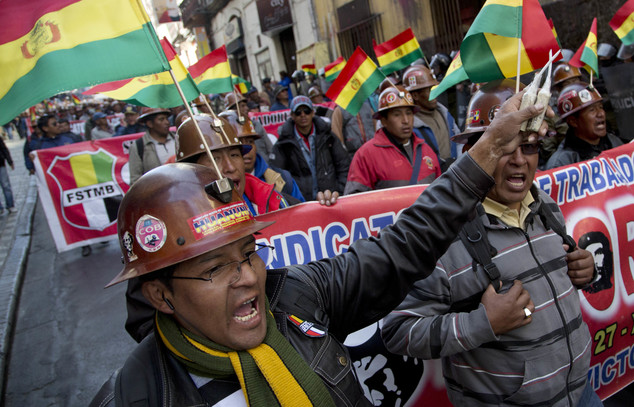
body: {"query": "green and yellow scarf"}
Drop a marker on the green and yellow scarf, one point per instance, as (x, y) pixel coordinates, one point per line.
(271, 374)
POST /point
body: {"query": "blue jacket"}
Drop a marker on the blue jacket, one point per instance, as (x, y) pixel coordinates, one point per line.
(423, 131)
(42, 143)
(287, 185)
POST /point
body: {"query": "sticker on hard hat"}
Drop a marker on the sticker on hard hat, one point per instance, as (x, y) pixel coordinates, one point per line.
(412, 80)
(493, 111)
(409, 99)
(390, 98)
(585, 96)
(127, 243)
(474, 116)
(218, 219)
(150, 233)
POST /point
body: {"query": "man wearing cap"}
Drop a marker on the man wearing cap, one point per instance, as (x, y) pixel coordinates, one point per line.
(50, 138)
(508, 327)
(432, 122)
(581, 106)
(268, 88)
(229, 332)
(280, 95)
(311, 153)
(102, 128)
(395, 156)
(155, 147)
(259, 98)
(130, 123)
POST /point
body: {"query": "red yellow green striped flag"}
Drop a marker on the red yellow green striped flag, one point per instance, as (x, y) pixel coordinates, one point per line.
(52, 46)
(309, 68)
(398, 52)
(455, 74)
(623, 23)
(157, 90)
(332, 70)
(212, 73)
(240, 84)
(586, 56)
(552, 27)
(75, 99)
(489, 50)
(358, 79)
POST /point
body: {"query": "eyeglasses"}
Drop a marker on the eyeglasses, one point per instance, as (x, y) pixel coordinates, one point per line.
(305, 111)
(230, 273)
(530, 148)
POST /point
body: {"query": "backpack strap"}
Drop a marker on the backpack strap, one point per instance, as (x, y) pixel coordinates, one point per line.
(551, 222)
(475, 240)
(140, 146)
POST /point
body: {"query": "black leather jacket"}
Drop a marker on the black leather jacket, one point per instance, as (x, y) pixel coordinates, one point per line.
(331, 159)
(341, 294)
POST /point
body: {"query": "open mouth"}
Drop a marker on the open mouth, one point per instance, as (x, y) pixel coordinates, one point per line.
(516, 180)
(246, 311)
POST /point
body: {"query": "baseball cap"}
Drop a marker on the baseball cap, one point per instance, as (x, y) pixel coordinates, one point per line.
(129, 110)
(98, 115)
(301, 101)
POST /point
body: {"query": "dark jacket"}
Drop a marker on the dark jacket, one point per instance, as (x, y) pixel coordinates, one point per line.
(573, 150)
(331, 159)
(42, 143)
(342, 295)
(5, 155)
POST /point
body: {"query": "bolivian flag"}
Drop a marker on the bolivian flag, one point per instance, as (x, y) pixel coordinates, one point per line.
(623, 23)
(489, 50)
(240, 84)
(398, 52)
(309, 68)
(552, 28)
(157, 90)
(212, 73)
(455, 74)
(51, 46)
(332, 70)
(76, 100)
(586, 56)
(358, 79)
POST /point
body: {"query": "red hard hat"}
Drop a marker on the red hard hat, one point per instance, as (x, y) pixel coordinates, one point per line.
(575, 97)
(189, 146)
(167, 217)
(393, 97)
(483, 106)
(418, 77)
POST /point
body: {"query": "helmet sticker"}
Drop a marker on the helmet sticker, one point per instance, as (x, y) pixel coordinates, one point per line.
(150, 233)
(217, 219)
(585, 96)
(474, 116)
(127, 241)
(408, 98)
(412, 80)
(493, 111)
(390, 98)
(566, 106)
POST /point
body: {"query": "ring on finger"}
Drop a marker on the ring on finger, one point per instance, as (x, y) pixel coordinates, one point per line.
(527, 312)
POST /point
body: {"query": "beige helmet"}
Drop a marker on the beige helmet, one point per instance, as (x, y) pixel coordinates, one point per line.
(230, 99)
(168, 217)
(483, 106)
(418, 77)
(147, 112)
(189, 146)
(575, 97)
(563, 71)
(392, 97)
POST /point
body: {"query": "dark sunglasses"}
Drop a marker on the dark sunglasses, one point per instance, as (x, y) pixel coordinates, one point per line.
(305, 111)
(530, 148)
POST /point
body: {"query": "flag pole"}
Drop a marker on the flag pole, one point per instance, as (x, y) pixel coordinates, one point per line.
(213, 114)
(591, 72)
(191, 114)
(240, 119)
(517, 78)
